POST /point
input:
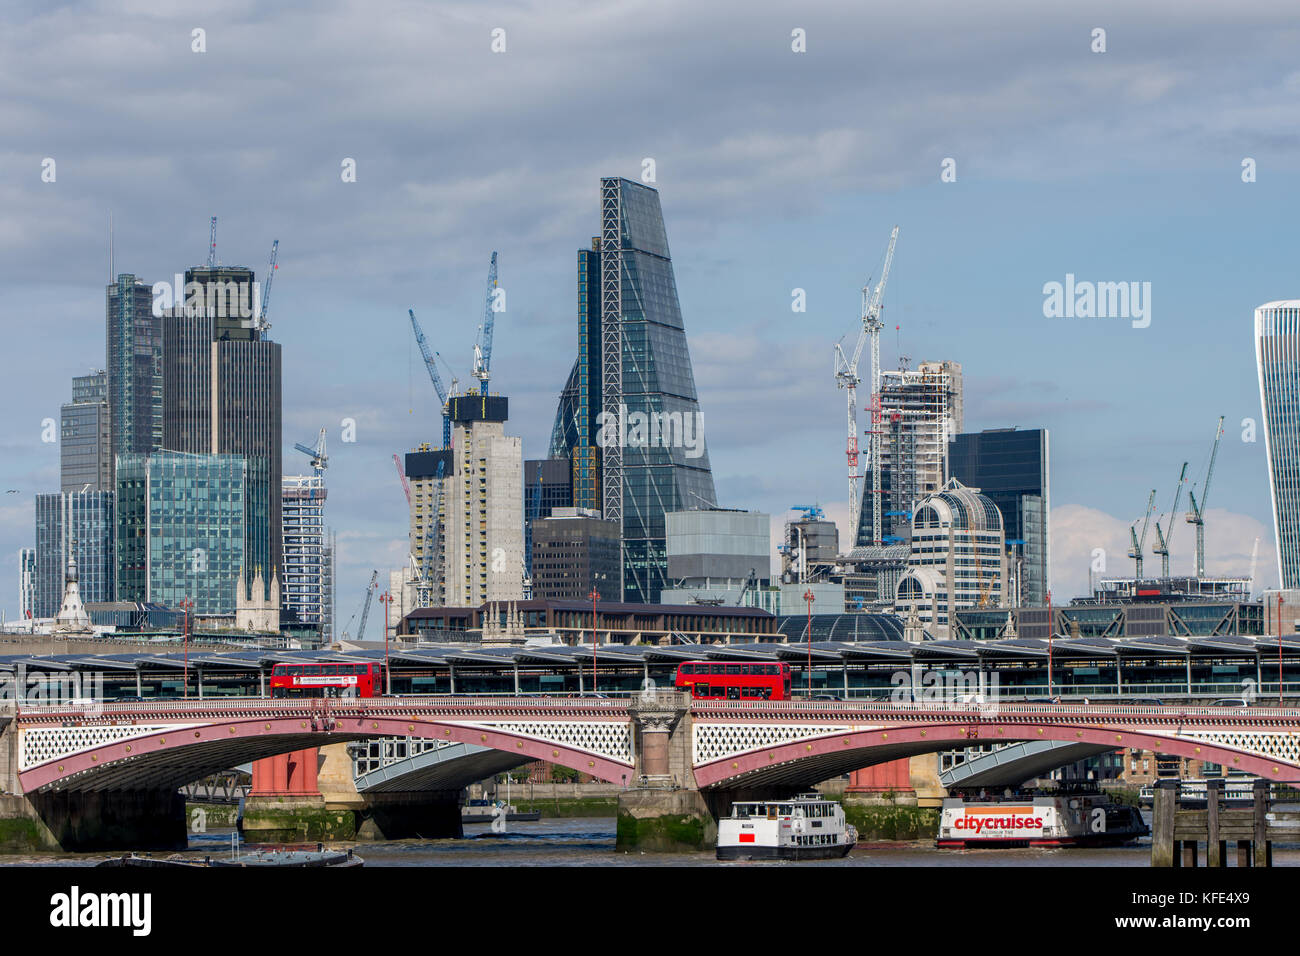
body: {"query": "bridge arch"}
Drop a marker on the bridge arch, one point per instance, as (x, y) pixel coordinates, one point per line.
(810, 759)
(113, 757)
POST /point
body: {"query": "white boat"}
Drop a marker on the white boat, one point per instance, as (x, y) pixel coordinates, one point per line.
(806, 827)
(1078, 819)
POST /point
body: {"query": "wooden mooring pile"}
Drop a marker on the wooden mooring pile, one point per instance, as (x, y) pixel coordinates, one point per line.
(1177, 831)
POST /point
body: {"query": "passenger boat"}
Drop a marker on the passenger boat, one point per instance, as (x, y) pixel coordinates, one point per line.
(806, 827)
(1060, 820)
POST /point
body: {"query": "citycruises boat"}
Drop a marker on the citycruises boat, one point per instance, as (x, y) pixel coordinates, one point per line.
(806, 827)
(1061, 820)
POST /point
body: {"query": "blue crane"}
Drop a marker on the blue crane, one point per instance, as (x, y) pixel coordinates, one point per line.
(483, 347)
(433, 375)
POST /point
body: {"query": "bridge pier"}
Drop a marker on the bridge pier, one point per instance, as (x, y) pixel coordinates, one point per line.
(310, 795)
(665, 812)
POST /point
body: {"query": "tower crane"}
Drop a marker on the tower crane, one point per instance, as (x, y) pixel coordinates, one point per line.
(433, 376)
(1162, 542)
(1197, 515)
(319, 460)
(847, 378)
(1135, 552)
(430, 570)
(406, 485)
(483, 347)
(365, 608)
(212, 244)
(263, 324)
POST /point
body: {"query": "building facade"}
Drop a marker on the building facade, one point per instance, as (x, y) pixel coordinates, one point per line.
(957, 558)
(574, 551)
(920, 412)
(1010, 466)
(79, 525)
(1277, 359)
(26, 583)
(427, 471)
(629, 418)
(548, 484)
(85, 441)
(133, 367)
(483, 521)
(184, 525)
(307, 578)
(718, 555)
(222, 395)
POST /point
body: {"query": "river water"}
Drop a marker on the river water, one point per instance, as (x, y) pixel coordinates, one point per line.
(588, 841)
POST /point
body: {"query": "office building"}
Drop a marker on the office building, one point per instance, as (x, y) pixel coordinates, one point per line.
(221, 389)
(427, 536)
(307, 578)
(483, 521)
(184, 529)
(78, 525)
(133, 367)
(1010, 466)
(548, 484)
(920, 412)
(574, 551)
(957, 558)
(85, 450)
(1277, 358)
(719, 556)
(26, 583)
(629, 418)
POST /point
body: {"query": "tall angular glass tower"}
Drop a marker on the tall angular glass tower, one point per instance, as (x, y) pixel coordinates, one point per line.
(1277, 356)
(629, 418)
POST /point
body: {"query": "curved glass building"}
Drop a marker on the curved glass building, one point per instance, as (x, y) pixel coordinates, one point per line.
(1277, 356)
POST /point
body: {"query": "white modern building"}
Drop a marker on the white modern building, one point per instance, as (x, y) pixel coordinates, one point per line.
(957, 557)
(1277, 358)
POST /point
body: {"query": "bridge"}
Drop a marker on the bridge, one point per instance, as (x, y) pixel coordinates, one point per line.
(672, 754)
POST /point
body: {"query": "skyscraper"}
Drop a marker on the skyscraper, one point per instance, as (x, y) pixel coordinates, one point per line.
(629, 417)
(85, 450)
(133, 367)
(920, 412)
(1277, 357)
(26, 583)
(82, 523)
(307, 577)
(184, 529)
(483, 522)
(1011, 468)
(222, 396)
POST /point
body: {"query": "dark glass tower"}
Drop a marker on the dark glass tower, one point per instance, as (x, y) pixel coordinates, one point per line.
(133, 367)
(629, 417)
(222, 396)
(1011, 467)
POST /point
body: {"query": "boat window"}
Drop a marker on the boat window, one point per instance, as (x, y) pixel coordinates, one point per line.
(771, 812)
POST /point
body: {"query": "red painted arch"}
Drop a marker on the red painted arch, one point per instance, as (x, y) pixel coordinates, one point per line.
(867, 746)
(342, 729)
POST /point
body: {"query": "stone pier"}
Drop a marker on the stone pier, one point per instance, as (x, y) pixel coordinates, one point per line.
(310, 795)
(665, 810)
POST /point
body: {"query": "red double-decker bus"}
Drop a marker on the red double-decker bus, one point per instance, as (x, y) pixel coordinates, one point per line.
(709, 680)
(326, 680)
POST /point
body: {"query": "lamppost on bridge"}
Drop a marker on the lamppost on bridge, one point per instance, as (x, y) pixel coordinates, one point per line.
(1279, 648)
(387, 600)
(809, 596)
(1051, 627)
(186, 604)
(595, 596)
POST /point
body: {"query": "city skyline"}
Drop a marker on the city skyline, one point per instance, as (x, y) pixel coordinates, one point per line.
(1037, 198)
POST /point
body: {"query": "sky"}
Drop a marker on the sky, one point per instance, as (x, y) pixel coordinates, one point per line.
(777, 169)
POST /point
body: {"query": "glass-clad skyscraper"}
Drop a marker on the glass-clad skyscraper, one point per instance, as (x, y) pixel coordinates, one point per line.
(1010, 467)
(133, 372)
(629, 417)
(1277, 356)
(83, 523)
(186, 527)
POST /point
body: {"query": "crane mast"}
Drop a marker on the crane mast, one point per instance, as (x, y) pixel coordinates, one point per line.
(1197, 515)
(212, 244)
(847, 378)
(1162, 545)
(483, 347)
(434, 377)
(1135, 552)
(263, 324)
(365, 609)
